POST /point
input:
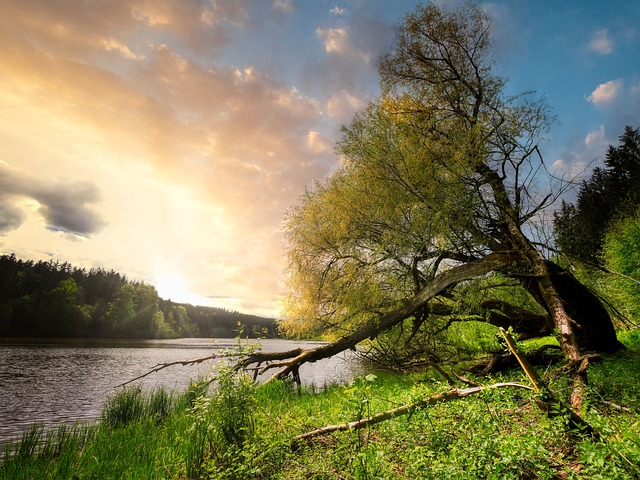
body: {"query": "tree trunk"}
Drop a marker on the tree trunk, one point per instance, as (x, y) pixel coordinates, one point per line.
(524, 323)
(594, 325)
(580, 329)
(376, 326)
(589, 321)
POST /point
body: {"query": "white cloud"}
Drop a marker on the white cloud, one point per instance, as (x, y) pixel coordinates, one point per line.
(335, 40)
(606, 93)
(601, 42)
(596, 140)
(286, 6)
(337, 11)
(582, 155)
(319, 144)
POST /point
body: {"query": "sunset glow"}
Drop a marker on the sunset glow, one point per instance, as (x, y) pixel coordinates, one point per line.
(165, 140)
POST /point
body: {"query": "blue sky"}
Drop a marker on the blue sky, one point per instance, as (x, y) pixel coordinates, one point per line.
(166, 139)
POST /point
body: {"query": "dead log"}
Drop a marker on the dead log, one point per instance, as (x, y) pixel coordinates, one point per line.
(453, 394)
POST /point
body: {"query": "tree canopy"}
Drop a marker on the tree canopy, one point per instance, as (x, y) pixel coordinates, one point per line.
(441, 171)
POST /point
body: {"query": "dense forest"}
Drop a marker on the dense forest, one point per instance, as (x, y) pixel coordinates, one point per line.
(54, 299)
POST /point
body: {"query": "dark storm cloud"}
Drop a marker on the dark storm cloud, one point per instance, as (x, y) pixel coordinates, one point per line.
(66, 206)
(10, 217)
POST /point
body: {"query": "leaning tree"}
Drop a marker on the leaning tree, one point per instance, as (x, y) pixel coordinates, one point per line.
(441, 185)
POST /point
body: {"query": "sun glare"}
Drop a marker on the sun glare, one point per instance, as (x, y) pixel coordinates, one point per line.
(174, 287)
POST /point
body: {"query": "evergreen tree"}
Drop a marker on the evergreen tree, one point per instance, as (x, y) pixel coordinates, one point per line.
(612, 192)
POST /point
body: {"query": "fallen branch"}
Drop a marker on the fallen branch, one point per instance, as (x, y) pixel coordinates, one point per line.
(548, 402)
(453, 394)
(162, 366)
(268, 356)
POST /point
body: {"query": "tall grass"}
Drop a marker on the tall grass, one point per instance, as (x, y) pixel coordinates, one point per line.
(131, 405)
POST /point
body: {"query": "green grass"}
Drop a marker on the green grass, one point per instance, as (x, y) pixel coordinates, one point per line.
(497, 434)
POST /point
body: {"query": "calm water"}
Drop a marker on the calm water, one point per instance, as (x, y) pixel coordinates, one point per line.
(49, 381)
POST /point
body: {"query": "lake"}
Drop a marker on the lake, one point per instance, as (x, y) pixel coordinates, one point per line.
(54, 380)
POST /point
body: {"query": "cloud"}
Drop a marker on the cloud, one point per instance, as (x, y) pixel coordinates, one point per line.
(601, 42)
(76, 29)
(64, 206)
(582, 154)
(319, 144)
(11, 217)
(352, 47)
(606, 93)
(67, 207)
(343, 105)
(619, 101)
(285, 6)
(335, 40)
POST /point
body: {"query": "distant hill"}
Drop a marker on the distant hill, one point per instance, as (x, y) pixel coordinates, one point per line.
(54, 299)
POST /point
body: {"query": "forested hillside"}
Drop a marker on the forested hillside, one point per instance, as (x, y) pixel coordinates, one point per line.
(54, 299)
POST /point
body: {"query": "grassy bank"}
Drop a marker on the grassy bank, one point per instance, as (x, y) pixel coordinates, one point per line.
(242, 431)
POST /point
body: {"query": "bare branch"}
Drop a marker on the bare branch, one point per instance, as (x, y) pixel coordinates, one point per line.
(162, 366)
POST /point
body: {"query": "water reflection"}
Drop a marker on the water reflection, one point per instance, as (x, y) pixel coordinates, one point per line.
(48, 381)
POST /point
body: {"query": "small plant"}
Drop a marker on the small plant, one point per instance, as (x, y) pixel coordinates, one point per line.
(30, 441)
(159, 404)
(234, 401)
(198, 435)
(221, 424)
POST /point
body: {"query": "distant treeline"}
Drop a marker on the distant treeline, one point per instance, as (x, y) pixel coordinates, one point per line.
(54, 299)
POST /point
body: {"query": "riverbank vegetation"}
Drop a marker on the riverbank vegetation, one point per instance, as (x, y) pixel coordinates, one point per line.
(240, 430)
(55, 299)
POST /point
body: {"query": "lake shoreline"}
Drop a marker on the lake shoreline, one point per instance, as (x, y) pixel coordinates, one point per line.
(54, 380)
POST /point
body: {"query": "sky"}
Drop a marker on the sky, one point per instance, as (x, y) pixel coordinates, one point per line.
(165, 139)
